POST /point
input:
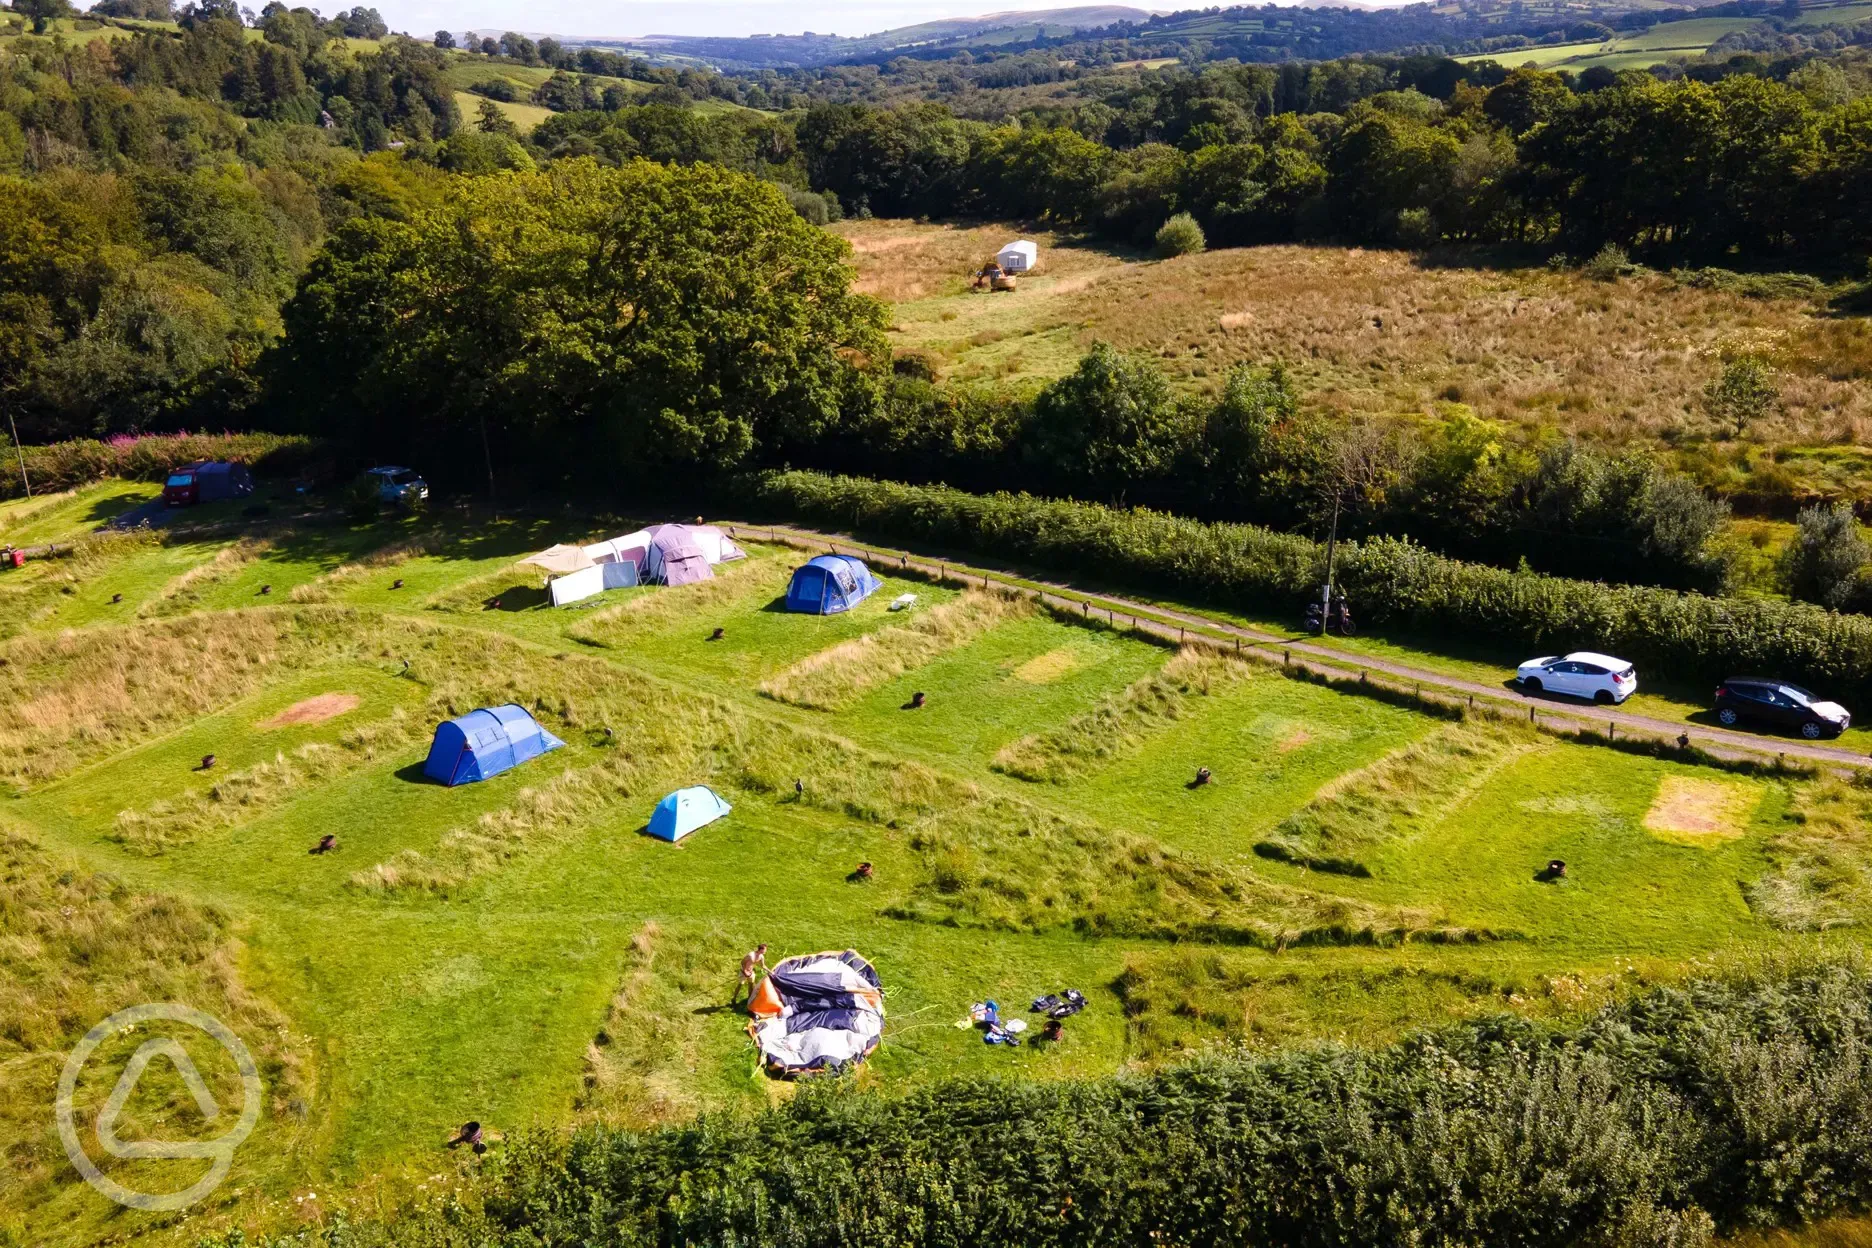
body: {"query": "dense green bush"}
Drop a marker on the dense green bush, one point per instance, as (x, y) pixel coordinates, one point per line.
(1391, 583)
(1180, 236)
(1655, 1122)
(64, 465)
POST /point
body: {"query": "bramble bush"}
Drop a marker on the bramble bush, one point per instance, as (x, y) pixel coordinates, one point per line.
(1657, 1121)
(1391, 583)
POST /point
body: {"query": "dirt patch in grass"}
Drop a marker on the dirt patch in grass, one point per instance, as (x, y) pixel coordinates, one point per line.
(1044, 669)
(1294, 740)
(1697, 811)
(314, 710)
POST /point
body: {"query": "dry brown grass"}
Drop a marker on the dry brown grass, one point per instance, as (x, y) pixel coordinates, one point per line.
(74, 697)
(1121, 721)
(1696, 811)
(839, 675)
(1378, 332)
(1044, 669)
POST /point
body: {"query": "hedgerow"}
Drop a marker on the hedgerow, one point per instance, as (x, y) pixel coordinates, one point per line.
(1391, 583)
(80, 461)
(1657, 1121)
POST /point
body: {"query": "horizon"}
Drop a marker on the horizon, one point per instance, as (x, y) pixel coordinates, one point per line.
(639, 19)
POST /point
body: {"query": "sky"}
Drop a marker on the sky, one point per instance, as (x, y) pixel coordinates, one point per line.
(698, 17)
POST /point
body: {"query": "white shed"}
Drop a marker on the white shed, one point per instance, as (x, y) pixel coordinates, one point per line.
(1018, 257)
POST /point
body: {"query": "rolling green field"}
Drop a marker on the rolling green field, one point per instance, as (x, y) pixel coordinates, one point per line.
(519, 952)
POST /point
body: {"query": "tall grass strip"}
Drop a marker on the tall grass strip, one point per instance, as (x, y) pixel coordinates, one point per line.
(839, 675)
(1123, 721)
(185, 592)
(1401, 792)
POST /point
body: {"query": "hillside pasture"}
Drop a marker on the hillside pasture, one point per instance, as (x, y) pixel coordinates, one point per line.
(519, 952)
(1382, 332)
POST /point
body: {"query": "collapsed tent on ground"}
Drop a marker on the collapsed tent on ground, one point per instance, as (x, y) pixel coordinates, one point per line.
(681, 554)
(828, 584)
(485, 743)
(820, 1011)
(685, 810)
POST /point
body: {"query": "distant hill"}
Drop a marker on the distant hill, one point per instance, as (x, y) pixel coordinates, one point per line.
(809, 49)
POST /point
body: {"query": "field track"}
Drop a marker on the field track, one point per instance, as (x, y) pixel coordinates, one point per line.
(1560, 715)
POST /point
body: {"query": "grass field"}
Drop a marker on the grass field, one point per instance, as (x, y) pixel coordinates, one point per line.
(1390, 333)
(518, 952)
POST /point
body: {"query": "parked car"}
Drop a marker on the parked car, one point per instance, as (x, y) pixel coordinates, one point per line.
(398, 485)
(206, 481)
(1779, 705)
(1582, 674)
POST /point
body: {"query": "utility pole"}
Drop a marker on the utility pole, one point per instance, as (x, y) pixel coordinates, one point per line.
(19, 451)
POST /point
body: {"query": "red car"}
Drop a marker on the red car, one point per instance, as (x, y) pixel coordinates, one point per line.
(206, 481)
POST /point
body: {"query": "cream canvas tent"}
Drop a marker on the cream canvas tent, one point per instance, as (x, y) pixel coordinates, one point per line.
(560, 560)
(1018, 257)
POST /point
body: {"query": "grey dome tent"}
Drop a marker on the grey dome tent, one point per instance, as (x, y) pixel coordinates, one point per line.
(485, 743)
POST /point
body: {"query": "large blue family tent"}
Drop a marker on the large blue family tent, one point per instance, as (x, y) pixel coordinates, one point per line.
(485, 743)
(685, 810)
(829, 584)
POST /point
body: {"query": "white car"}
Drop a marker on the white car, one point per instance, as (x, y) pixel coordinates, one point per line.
(1582, 674)
(398, 485)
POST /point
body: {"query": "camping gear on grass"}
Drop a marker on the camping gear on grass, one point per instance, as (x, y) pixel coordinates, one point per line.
(484, 743)
(819, 1011)
(681, 554)
(828, 584)
(903, 602)
(1063, 1005)
(685, 810)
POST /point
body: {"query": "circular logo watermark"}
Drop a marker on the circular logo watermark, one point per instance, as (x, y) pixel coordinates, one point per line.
(219, 1151)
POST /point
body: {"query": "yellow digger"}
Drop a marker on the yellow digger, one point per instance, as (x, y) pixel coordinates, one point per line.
(993, 277)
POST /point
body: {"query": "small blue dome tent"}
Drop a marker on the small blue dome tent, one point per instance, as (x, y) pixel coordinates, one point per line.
(485, 743)
(829, 584)
(685, 810)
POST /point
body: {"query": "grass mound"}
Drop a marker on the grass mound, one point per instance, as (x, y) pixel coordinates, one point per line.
(71, 698)
(838, 676)
(243, 795)
(1122, 721)
(1004, 864)
(327, 587)
(77, 946)
(1366, 809)
(1821, 876)
(657, 607)
(641, 1062)
(185, 592)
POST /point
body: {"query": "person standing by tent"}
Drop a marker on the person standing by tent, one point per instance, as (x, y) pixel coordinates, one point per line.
(751, 967)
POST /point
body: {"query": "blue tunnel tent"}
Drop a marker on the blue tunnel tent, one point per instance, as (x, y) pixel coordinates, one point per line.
(828, 584)
(485, 743)
(685, 810)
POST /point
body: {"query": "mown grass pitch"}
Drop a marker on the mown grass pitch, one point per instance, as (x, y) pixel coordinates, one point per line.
(517, 952)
